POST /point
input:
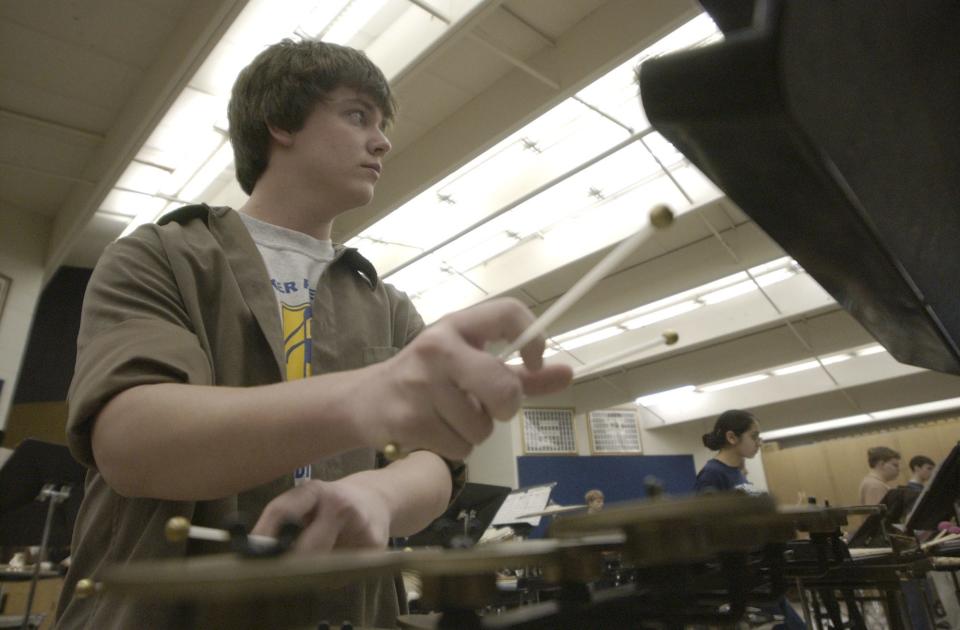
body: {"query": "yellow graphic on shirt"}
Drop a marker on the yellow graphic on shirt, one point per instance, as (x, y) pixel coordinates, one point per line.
(297, 333)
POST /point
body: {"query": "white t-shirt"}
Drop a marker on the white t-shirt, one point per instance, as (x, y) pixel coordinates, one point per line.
(294, 261)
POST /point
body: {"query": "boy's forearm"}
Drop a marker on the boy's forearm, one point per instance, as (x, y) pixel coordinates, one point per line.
(416, 489)
(189, 442)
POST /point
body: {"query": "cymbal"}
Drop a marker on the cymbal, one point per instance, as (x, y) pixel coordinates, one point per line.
(686, 529)
(550, 510)
(230, 577)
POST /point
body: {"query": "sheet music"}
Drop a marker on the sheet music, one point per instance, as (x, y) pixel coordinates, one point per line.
(524, 501)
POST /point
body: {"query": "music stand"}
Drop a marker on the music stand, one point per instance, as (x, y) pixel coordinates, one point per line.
(38, 471)
(469, 515)
(940, 500)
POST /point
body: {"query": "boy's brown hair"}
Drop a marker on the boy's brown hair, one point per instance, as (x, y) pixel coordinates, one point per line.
(283, 84)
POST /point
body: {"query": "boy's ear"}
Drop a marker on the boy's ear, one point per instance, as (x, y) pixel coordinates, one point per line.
(280, 136)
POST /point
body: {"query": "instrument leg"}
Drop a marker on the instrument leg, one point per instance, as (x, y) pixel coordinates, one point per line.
(804, 602)
(832, 607)
(853, 611)
(895, 608)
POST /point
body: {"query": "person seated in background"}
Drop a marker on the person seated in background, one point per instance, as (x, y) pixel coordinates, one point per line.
(594, 500)
(921, 469)
(736, 438)
(884, 467)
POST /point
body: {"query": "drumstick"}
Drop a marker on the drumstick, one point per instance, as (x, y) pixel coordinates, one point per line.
(667, 338)
(661, 217)
(179, 529)
(939, 541)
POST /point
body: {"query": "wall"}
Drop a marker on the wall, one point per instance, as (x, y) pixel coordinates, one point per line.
(832, 467)
(23, 248)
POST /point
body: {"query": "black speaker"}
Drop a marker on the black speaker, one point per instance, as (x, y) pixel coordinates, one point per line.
(836, 127)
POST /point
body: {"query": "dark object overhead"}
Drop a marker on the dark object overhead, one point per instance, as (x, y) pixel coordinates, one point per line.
(834, 125)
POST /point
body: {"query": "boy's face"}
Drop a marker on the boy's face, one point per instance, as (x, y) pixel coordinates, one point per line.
(890, 469)
(924, 472)
(339, 151)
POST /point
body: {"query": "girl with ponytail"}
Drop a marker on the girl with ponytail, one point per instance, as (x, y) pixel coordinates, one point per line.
(736, 438)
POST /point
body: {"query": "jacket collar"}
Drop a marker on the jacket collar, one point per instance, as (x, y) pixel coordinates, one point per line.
(248, 267)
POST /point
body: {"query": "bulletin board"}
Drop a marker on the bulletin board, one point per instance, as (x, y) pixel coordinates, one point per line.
(614, 432)
(548, 431)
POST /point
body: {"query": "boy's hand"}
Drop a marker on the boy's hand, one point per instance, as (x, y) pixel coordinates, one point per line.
(334, 515)
(443, 391)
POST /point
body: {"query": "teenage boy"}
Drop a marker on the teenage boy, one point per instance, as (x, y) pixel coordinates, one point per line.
(884, 468)
(220, 352)
(921, 469)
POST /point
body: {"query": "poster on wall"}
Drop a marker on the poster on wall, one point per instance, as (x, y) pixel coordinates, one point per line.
(549, 431)
(614, 432)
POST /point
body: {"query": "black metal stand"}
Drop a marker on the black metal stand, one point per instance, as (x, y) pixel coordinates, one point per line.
(55, 497)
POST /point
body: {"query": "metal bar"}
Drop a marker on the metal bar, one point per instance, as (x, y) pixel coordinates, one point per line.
(85, 134)
(536, 74)
(38, 171)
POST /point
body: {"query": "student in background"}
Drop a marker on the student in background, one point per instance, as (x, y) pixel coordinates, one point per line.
(736, 438)
(594, 499)
(921, 469)
(884, 467)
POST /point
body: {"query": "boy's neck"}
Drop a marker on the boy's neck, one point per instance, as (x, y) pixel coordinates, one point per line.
(291, 208)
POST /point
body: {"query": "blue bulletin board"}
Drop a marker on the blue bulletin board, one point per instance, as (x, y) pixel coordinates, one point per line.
(619, 477)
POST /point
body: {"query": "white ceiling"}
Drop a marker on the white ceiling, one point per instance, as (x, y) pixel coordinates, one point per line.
(83, 84)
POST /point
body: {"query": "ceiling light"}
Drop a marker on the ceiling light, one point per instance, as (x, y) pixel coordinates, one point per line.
(837, 358)
(722, 295)
(589, 338)
(799, 367)
(746, 380)
(666, 397)
(322, 15)
(661, 314)
(351, 20)
(826, 425)
(919, 409)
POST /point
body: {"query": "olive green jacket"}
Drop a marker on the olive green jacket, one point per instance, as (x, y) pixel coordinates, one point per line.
(189, 301)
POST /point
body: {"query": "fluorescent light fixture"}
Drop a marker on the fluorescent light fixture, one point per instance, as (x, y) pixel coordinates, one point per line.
(148, 215)
(589, 338)
(322, 15)
(132, 204)
(144, 178)
(213, 168)
(661, 314)
(793, 369)
(518, 360)
(837, 358)
(737, 382)
(728, 293)
(919, 409)
(351, 20)
(865, 418)
(666, 397)
(814, 427)
(865, 352)
(775, 276)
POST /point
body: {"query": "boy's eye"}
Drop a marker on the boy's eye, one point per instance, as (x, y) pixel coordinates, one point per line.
(358, 115)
